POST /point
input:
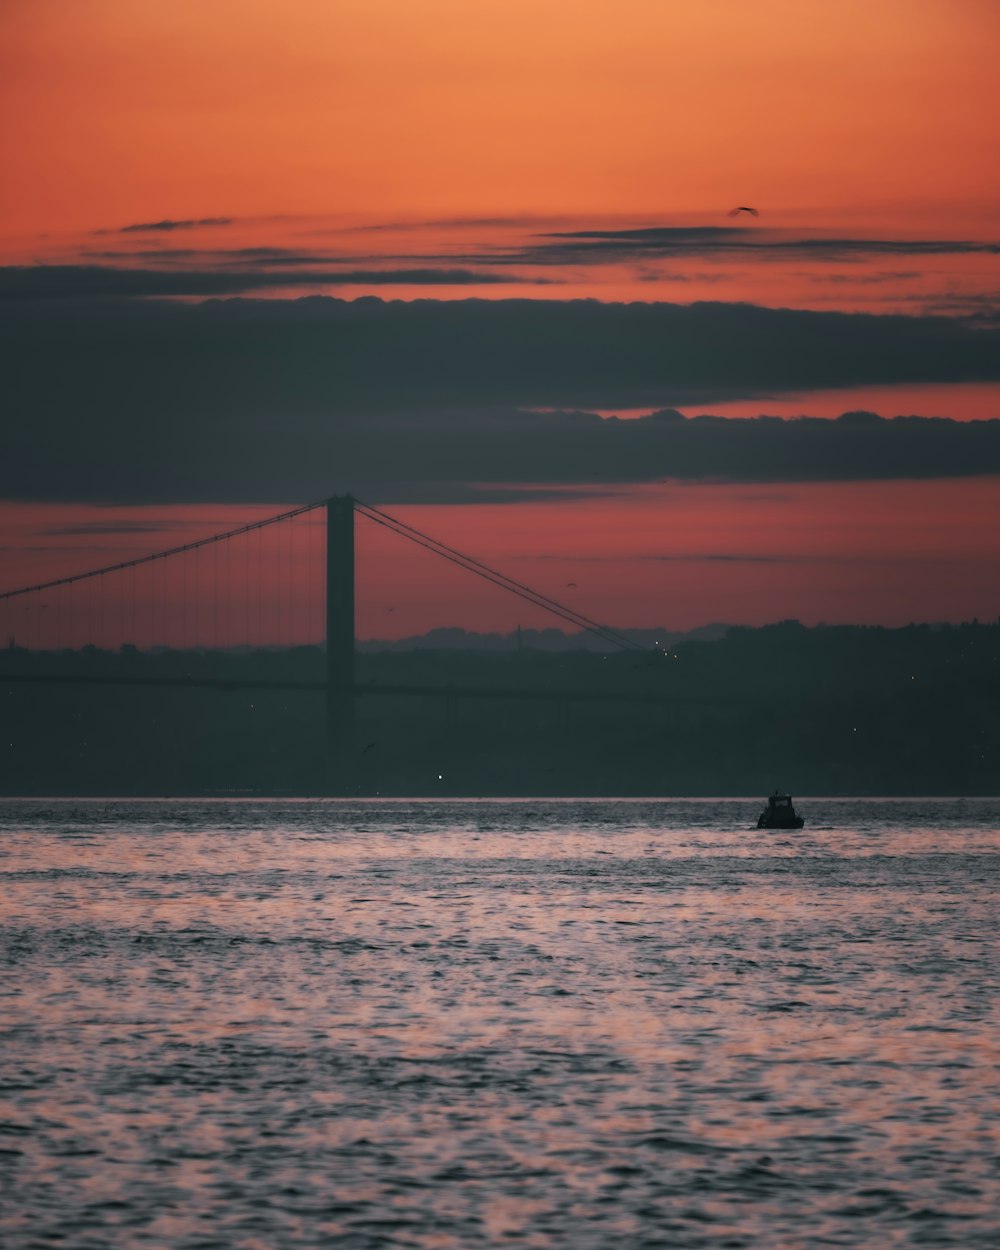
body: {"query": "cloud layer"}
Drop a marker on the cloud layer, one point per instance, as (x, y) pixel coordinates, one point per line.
(292, 400)
(500, 455)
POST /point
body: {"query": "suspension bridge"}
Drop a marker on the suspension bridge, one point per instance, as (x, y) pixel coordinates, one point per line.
(283, 580)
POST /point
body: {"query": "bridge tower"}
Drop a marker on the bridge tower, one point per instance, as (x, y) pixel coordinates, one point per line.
(340, 698)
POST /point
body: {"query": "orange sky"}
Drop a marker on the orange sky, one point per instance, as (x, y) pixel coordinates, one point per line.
(118, 111)
(303, 121)
(313, 120)
(674, 556)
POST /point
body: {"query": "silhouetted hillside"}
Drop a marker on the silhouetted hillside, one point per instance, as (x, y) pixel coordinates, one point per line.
(457, 639)
(839, 710)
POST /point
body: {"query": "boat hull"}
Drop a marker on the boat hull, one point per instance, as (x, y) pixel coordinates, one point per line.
(795, 822)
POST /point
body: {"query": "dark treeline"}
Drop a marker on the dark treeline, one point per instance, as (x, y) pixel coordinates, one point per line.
(827, 710)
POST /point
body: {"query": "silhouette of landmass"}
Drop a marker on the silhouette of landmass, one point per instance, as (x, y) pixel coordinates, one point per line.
(825, 710)
(453, 638)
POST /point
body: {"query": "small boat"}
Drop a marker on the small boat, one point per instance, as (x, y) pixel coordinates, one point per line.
(779, 813)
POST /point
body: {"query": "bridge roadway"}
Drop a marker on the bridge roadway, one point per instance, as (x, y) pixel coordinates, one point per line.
(360, 689)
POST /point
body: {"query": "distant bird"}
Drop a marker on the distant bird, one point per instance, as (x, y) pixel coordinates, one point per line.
(369, 747)
(742, 208)
(571, 583)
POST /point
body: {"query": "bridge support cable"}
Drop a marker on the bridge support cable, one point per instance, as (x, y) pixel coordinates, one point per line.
(163, 555)
(472, 565)
(222, 596)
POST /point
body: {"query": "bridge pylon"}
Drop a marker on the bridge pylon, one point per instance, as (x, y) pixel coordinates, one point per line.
(340, 647)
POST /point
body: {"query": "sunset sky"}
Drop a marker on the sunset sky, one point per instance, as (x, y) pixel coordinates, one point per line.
(478, 263)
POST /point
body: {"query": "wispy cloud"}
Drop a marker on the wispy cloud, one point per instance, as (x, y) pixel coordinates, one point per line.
(578, 246)
(88, 281)
(211, 259)
(529, 246)
(605, 247)
(879, 278)
(115, 527)
(696, 557)
(166, 225)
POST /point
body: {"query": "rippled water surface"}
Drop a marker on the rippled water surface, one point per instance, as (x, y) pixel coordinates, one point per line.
(478, 1024)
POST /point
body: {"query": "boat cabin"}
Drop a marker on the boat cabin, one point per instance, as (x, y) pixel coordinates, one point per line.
(779, 813)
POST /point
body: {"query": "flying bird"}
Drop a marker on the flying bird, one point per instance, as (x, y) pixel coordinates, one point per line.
(742, 208)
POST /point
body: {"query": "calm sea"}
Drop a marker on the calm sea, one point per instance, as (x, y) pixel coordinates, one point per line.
(270, 1025)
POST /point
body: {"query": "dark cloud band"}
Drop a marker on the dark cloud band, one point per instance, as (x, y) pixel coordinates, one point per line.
(288, 400)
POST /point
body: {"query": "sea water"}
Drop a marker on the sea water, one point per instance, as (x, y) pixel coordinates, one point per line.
(585, 1024)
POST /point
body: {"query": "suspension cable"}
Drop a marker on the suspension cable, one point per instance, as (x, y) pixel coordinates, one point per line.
(162, 555)
(402, 528)
(471, 565)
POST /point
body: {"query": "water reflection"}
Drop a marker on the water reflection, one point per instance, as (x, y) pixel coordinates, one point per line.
(438, 1025)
